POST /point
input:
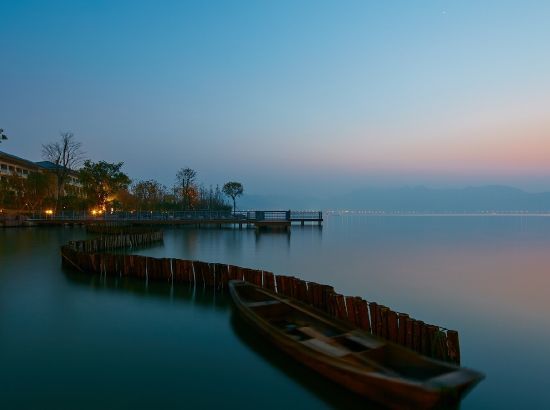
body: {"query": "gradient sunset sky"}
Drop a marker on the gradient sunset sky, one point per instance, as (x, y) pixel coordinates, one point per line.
(317, 97)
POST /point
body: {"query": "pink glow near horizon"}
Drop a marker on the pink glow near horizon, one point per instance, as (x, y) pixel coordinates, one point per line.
(496, 147)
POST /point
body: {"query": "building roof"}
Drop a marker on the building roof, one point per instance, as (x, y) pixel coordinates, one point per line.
(18, 160)
(40, 165)
(48, 165)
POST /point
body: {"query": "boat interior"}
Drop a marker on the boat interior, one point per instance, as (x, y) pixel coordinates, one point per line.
(348, 345)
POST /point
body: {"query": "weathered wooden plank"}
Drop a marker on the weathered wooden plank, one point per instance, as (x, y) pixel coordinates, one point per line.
(424, 341)
(441, 346)
(453, 346)
(402, 328)
(431, 339)
(253, 276)
(301, 291)
(352, 310)
(409, 333)
(340, 306)
(234, 273)
(200, 269)
(269, 281)
(363, 314)
(166, 269)
(222, 275)
(208, 275)
(383, 321)
(392, 326)
(417, 335)
(373, 308)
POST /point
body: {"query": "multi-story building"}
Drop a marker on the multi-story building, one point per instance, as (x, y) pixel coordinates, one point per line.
(72, 184)
(11, 165)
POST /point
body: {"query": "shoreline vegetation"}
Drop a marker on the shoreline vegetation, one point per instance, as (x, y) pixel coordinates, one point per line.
(66, 181)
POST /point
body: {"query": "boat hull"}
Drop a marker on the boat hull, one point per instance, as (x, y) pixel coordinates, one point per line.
(389, 391)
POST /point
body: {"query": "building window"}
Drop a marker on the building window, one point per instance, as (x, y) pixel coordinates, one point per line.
(4, 167)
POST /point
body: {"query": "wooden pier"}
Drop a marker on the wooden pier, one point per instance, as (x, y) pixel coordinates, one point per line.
(257, 219)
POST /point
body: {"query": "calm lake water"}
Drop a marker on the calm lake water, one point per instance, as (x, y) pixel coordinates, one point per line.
(71, 341)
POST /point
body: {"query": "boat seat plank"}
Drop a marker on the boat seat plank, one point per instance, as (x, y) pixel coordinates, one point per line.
(263, 303)
(315, 334)
(368, 342)
(325, 348)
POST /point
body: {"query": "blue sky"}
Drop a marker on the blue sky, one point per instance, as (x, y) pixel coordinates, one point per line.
(287, 96)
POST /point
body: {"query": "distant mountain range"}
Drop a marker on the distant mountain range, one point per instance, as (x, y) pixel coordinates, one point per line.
(417, 199)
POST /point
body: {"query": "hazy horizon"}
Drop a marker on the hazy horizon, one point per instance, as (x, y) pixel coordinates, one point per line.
(315, 98)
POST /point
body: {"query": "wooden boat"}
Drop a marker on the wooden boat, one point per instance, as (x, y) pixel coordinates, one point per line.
(372, 367)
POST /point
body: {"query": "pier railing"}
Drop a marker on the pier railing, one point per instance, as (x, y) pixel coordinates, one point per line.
(190, 215)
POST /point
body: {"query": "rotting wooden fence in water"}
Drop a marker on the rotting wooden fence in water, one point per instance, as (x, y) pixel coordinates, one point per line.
(90, 256)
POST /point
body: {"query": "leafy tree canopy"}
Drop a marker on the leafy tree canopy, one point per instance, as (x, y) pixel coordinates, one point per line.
(233, 190)
(101, 180)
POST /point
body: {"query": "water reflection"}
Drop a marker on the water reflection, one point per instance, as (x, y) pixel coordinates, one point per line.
(331, 393)
(265, 237)
(198, 296)
(486, 277)
(205, 298)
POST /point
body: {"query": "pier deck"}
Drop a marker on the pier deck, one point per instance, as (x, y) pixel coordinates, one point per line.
(259, 219)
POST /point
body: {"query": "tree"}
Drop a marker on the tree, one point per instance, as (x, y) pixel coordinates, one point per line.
(14, 192)
(2, 135)
(150, 194)
(185, 179)
(10, 188)
(39, 190)
(233, 190)
(66, 154)
(101, 180)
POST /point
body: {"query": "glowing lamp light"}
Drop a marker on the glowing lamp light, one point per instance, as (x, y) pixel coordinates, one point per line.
(48, 211)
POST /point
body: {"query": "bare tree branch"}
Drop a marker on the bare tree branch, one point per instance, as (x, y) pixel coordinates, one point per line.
(2, 135)
(67, 155)
(185, 178)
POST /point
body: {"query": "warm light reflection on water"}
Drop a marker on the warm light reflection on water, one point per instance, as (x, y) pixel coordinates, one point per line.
(68, 340)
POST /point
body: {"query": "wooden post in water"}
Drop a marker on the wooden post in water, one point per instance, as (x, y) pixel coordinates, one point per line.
(417, 335)
(352, 310)
(432, 330)
(453, 346)
(268, 281)
(392, 326)
(90, 256)
(409, 333)
(402, 330)
(373, 308)
(424, 340)
(363, 319)
(341, 312)
(383, 312)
